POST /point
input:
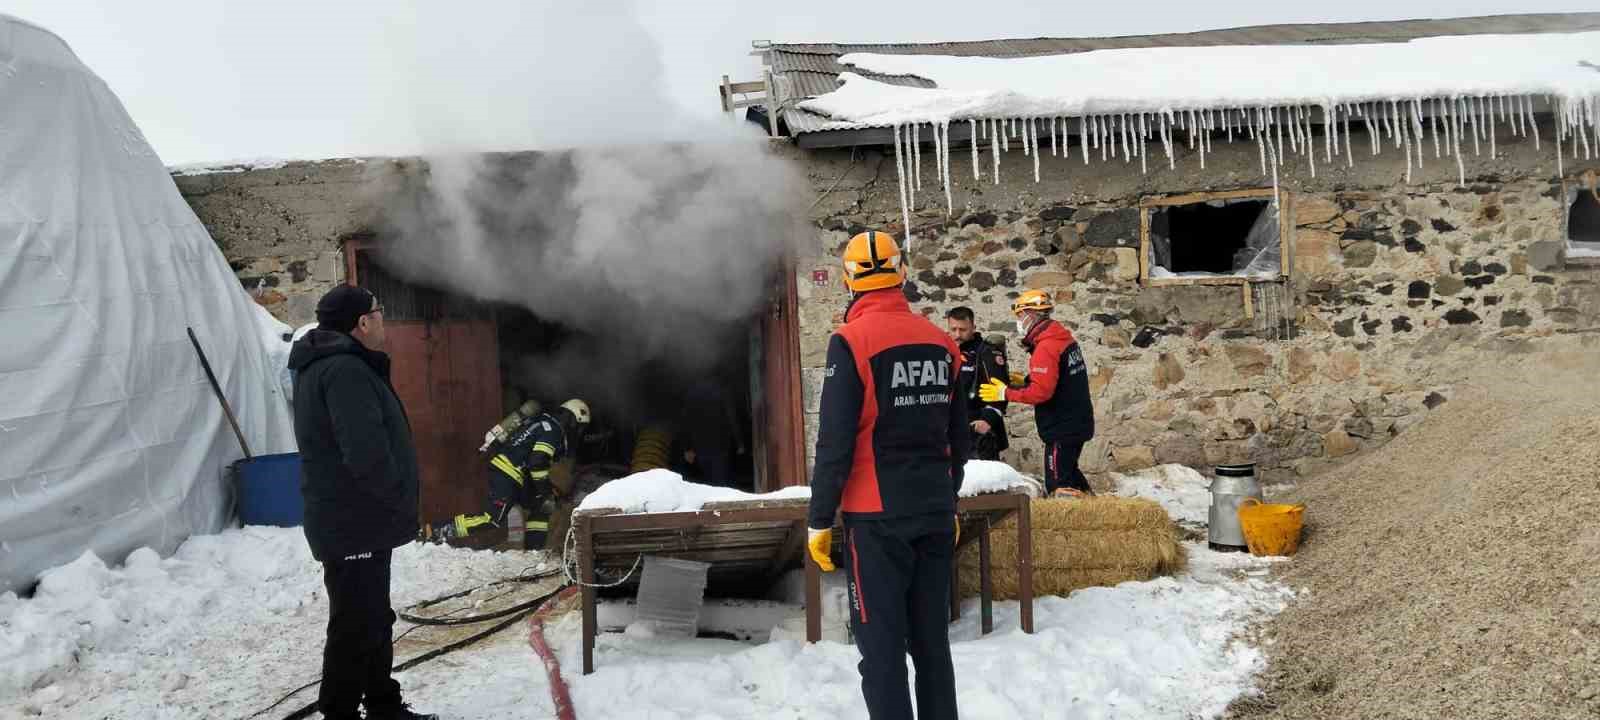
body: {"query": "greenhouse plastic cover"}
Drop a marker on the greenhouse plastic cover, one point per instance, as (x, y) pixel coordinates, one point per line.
(110, 436)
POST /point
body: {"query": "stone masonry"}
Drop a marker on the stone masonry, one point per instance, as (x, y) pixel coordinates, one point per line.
(1394, 290)
(280, 228)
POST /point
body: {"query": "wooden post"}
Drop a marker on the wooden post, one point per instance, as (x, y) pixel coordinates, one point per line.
(985, 580)
(1025, 560)
(585, 532)
(813, 600)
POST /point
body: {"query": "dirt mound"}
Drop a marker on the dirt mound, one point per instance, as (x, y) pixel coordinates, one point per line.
(1454, 573)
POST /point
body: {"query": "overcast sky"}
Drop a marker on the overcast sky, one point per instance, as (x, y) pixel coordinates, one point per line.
(212, 80)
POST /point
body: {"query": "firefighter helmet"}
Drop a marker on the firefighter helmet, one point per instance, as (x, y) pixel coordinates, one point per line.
(579, 410)
(1037, 300)
(872, 262)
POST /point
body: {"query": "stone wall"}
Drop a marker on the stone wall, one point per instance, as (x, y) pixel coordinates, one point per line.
(280, 228)
(1395, 290)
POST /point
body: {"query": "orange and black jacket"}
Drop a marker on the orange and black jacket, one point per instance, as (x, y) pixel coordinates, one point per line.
(1057, 385)
(892, 438)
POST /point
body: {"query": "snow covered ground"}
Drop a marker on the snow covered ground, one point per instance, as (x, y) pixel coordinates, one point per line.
(233, 621)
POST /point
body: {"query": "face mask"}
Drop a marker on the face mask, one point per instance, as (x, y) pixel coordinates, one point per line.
(1022, 326)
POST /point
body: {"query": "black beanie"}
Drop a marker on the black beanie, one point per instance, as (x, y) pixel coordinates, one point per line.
(342, 307)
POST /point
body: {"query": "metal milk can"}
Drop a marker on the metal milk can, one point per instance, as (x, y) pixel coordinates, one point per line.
(1232, 484)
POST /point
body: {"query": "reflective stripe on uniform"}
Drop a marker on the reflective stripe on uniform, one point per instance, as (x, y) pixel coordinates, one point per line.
(504, 464)
(465, 523)
(536, 525)
(544, 447)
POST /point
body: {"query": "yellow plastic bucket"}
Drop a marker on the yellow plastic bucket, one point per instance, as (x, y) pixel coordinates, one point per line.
(1271, 529)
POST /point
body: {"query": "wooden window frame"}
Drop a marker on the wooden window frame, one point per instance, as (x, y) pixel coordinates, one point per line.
(1581, 182)
(1285, 230)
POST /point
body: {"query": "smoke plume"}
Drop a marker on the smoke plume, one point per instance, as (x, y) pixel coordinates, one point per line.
(652, 235)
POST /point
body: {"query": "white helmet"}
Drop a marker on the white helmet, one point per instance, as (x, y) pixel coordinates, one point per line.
(579, 410)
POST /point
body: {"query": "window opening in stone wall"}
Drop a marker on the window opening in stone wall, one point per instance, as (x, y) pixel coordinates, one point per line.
(1215, 238)
(1583, 222)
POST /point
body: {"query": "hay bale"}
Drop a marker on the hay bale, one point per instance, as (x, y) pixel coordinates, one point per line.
(1088, 542)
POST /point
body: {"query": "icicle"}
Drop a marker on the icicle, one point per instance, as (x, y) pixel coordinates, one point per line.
(1349, 152)
(900, 172)
(1327, 137)
(1166, 138)
(1034, 129)
(1470, 117)
(1416, 129)
(1275, 195)
(1292, 114)
(1055, 145)
(1005, 135)
(994, 151)
(1189, 127)
(1277, 137)
(1100, 136)
(1083, 137)
(1227, 121)
(1455, 129)
(1490, 114)
(1532, 121)
(972, 125)
(1027, 148)
(1260, 137)
(1399, 123)
(1578, 116)
(944, 170)
(916, 157)
(1405, 141)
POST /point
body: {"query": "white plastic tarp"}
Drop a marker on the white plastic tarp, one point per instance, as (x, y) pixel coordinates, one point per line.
(110, 437)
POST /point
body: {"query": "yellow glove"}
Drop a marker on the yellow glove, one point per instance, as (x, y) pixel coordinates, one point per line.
(992, 391)
(1018, 379)
(820, 543)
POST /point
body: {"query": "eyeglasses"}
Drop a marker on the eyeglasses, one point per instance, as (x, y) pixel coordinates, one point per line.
(376, 309)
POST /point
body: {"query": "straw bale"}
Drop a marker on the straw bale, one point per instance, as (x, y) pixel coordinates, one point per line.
(1098, 541)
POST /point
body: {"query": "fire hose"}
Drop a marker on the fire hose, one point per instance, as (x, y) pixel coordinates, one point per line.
(559, 696)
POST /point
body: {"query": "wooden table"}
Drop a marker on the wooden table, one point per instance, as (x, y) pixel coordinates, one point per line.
(755, 542)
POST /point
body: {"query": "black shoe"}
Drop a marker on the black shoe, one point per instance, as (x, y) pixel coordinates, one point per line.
(402, 712)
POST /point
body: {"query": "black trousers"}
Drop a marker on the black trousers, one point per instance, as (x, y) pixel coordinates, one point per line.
(899, 572)
(1061, 466)
(360, 647)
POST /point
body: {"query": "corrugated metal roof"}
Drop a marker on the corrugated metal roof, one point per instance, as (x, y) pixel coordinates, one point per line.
(804, 70)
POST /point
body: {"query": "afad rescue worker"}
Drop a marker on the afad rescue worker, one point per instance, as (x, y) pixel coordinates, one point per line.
(1057, 384)
(892, 441)
(981, 361)
(532, 468)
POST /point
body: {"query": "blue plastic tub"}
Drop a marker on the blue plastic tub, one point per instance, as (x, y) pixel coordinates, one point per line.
(269, 490)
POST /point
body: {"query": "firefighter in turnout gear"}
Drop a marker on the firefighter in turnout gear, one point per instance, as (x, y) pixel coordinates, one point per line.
(1057, 385)
(531, 468)
(981, 361)
(891, 445)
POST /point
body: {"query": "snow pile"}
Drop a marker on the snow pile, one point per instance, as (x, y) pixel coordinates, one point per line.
(1181, 490)
(1443, 91)
(1168, 648)
(666, 491)
(226, 166)
(993, 476)
(154, 635)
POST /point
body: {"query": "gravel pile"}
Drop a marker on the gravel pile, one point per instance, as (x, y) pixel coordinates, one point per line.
(1454, 573)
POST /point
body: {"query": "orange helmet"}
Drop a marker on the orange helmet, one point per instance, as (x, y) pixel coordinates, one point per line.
(872, 262)
(1038, 300)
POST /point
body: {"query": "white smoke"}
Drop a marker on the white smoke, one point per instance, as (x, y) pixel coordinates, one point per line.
(653, 234)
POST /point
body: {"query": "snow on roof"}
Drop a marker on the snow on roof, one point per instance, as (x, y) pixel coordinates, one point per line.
(1166, 79)
(1458, 89)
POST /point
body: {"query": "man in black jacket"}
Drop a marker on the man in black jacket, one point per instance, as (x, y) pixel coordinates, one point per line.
(359, 481)
(981, 361)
